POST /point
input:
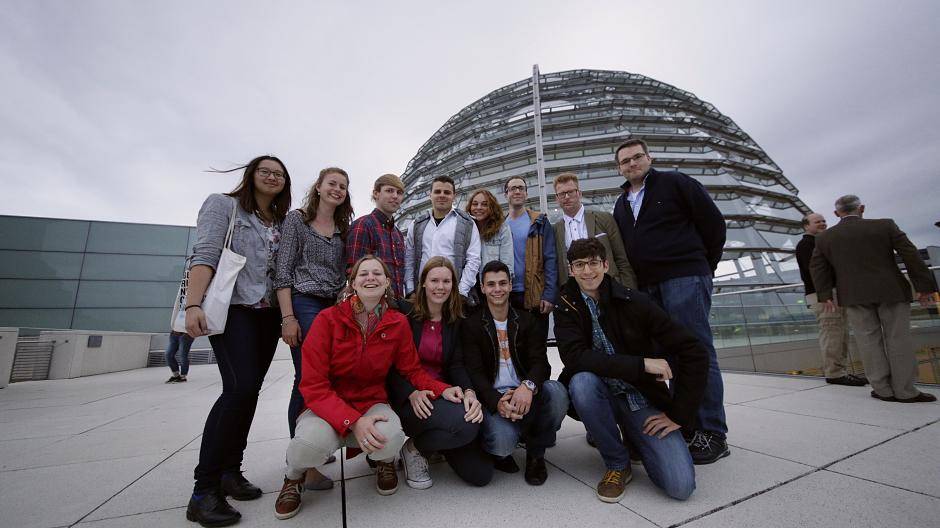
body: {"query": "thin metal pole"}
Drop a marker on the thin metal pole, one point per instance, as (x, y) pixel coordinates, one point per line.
(539, 158)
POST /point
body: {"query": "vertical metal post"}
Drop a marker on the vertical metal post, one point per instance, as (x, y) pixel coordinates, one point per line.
(539, 158)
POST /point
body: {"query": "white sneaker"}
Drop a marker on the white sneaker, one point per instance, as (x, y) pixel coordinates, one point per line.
(417, 474)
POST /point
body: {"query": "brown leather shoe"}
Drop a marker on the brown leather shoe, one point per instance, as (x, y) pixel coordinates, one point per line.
(386, 478)
(611, 487)
(288, 500)
(314, 480)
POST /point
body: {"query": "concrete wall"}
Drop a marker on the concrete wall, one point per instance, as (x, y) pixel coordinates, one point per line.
(7, 350)
(73, 358)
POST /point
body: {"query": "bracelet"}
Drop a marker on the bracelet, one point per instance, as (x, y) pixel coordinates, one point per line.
(288, 315)
(192, 306)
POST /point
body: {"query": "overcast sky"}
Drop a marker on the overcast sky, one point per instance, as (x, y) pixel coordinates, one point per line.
(112, 110)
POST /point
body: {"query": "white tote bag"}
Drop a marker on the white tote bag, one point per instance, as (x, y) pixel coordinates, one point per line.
(219, 293)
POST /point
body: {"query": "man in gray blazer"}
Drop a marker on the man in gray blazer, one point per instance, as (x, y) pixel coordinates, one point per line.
(856, 257)
(578, 223)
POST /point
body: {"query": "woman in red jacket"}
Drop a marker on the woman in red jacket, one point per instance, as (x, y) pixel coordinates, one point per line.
(346, 357)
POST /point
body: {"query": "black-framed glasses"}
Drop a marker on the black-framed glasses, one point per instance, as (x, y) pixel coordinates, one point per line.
(594, 264)
(514, 188)
(565, 194)
(268, 172)
(631, 159)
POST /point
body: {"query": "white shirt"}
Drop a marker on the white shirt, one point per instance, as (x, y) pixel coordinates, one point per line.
(636, 199)
(575, 227)
(438, 240)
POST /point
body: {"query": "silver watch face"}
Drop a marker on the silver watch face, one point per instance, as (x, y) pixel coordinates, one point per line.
(529, 384)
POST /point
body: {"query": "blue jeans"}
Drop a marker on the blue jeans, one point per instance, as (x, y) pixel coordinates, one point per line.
(306, 308)
(688, 300)
(667, 460)
(182, 343)
(537, 427)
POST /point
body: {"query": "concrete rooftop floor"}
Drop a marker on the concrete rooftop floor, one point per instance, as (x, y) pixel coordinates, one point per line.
(118, 450)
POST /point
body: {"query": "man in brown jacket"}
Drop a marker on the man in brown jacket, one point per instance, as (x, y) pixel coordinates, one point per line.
(577, 223)
(856, 257)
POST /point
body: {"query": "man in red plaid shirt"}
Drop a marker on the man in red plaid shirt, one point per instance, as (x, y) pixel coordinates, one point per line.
(376, 234)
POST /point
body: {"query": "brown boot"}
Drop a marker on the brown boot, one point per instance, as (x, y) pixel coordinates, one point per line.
(611, 487)
(386, 478)
(288, 500)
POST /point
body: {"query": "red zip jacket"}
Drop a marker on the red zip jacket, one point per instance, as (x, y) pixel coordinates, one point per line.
(343, 375)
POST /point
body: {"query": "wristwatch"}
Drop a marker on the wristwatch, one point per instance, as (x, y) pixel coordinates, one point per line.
(531, 386)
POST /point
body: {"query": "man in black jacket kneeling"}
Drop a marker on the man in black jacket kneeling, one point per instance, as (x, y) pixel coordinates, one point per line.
(612, 341)
(505, 355)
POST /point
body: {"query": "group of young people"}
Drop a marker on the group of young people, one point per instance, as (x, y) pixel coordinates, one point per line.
(434, 342)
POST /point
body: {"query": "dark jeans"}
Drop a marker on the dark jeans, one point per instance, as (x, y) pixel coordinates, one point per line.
(667, 460)
(517, 301)
(182, 343)
(447, 432)
(244, 352)
(306, 308)
(537, 428)
(688, 300)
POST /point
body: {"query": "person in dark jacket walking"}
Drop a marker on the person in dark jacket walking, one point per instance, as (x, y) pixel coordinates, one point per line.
(674, 234)
(833, 327)
(610, 339)
(507, 362)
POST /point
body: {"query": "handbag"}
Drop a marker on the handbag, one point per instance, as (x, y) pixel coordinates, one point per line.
(218, 295)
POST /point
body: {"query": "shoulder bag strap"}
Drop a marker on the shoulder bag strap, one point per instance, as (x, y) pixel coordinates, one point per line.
(231, 224)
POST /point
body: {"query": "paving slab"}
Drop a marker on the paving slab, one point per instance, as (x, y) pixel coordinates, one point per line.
(832, 500)
(719, 484)
(12, 451)
(777, 382)
(805, 439)
(61, 495)
(739, 393)
(852, 404)
(910, 462)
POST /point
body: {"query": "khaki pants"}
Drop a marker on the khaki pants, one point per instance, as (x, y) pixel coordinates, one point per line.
(833, 338)
(883, 335)
(315, 440)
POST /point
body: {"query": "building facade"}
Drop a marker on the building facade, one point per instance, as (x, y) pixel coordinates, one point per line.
(90, 275)
(585, 114)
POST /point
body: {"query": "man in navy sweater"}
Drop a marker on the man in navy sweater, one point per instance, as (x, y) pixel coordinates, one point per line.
(674, 235)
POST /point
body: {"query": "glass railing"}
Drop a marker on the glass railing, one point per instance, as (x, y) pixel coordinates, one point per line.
(772, 330)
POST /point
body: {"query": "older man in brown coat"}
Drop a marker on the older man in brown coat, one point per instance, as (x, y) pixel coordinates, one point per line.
(856, 257)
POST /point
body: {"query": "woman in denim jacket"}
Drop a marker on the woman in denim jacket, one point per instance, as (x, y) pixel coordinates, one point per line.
(245, 349)
(311, 271)
(495, 235)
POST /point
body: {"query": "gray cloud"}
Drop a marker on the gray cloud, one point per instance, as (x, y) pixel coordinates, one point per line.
(113, 110)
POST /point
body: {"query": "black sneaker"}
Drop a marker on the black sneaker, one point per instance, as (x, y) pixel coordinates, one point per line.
(707, 447)
(506, 465)
(211, 510)
(175, 378)
(236, 486)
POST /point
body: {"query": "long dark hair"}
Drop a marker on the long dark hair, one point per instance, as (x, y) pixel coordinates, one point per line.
(245, 191)
(343, 214)
(494, 222)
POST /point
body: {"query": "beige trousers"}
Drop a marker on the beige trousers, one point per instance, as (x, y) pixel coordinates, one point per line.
(883, 335)
(315, 440)
(833, 338)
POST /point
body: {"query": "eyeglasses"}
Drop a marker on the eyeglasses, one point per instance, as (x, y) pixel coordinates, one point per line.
(594, 264)
(268, 172)
(631, 159)
(516, 188)
(565, 194)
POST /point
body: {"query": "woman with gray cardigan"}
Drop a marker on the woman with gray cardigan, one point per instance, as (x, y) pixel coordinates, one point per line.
(495, 236)
(245, 349)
